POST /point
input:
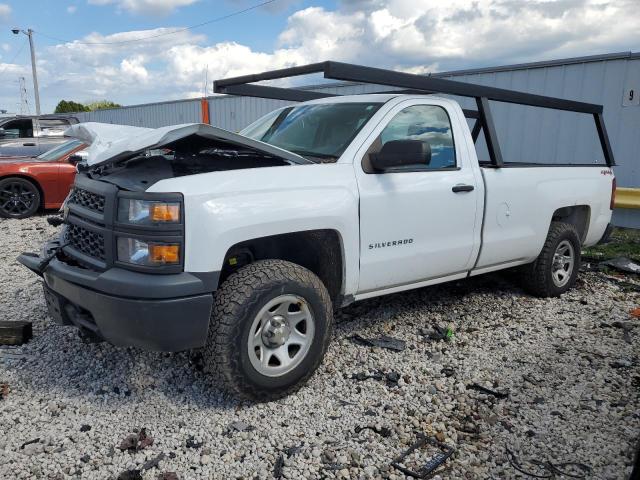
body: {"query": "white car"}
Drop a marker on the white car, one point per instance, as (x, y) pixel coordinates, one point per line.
(244, 244)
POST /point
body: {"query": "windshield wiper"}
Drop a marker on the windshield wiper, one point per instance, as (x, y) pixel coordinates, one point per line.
(306, 153)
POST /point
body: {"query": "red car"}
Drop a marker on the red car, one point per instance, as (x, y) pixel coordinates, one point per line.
(28, 184)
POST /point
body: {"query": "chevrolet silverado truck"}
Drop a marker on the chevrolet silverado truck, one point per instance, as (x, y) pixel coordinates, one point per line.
(191, 236)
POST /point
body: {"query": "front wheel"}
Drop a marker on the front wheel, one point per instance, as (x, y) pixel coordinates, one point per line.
(270, 328)
(19, 198)
(556, 268)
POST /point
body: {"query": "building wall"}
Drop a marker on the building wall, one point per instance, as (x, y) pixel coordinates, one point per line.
(526, 134)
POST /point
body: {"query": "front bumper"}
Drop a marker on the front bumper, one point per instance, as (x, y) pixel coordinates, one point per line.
(155, 312)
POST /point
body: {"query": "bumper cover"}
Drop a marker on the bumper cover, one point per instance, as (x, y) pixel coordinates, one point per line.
(154, 312)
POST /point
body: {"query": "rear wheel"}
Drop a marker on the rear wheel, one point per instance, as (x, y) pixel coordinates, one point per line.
(556, 268)
(270, 328)
(19, 198)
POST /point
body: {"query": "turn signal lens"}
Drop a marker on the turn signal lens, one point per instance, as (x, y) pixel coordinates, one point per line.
(164, 254)
(164, 212)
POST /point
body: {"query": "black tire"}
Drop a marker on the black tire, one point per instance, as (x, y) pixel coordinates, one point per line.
(537, 277)
(237, 304)
(19, 198)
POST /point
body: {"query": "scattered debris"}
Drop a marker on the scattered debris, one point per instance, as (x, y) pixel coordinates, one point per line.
(130, 475)
(85, 428)
(391, 377)
(487, 391)
(192, 443)
(438, 333)
(85, 458)
(384, 341)
(448, 371)
(291, 451)
(136, 441)
(168, 476)
(35, 440)
(548, 469)
(622, 264)
(153, 462)
(635, 312)
(55, 220)
(277, 468)
(444, 452)
(15, 332)
(382, 431)
(4, 390)
(240, 427)
(623, 363)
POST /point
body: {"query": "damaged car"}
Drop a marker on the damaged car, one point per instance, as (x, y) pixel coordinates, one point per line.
(190, 236)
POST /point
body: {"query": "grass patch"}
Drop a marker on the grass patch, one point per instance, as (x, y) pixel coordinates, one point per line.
(625, 242)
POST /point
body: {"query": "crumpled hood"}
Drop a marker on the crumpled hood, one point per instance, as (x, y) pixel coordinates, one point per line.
(115, 142)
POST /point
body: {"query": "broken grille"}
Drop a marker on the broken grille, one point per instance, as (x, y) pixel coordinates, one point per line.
(85, 241)
(87, 199)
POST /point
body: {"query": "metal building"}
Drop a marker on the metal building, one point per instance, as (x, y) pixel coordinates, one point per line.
(526, 134)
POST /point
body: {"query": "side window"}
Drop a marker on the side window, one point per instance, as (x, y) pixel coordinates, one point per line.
(53, 126)
(427, 123)
(22, 128)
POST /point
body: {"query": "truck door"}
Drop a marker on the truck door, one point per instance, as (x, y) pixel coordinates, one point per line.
(419, 222)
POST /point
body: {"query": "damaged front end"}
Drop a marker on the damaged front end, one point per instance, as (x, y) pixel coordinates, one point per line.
(116, 271)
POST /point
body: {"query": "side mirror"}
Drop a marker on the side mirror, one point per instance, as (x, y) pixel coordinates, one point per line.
(399, 153)
(2, 132)
(78, 157)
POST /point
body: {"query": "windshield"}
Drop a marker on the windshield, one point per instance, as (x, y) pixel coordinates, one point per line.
(323, 131)
(59, 151)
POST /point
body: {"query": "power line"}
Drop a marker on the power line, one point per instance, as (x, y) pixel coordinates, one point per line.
(173, 32)
(14, 57)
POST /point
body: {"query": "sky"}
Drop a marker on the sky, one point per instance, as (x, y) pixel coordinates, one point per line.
(140, 51)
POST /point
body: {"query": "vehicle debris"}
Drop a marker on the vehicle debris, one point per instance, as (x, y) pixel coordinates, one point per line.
(4, 390)
(383, 341)
(35, 440)
(136, 441)
(438, 333)
(85, 428)
(15, 332)
(622, 264)
(392, 377)
(443, 453)
(277, 468)
(487, 391)
(548, 469)
(239, 427)
(130, 475)
(168, 476)
(153, 462)
(193, 443)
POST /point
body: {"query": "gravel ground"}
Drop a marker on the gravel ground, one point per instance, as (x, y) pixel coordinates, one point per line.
(570, 366)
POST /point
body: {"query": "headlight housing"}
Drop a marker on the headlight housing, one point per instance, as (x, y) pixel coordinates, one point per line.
(148, 253)
(148, 212)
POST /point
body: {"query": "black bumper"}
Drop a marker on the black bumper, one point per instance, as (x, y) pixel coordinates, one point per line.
(155, 312)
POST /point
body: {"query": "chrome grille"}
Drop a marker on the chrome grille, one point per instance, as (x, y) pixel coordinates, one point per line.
(85, 241)
(87, 199)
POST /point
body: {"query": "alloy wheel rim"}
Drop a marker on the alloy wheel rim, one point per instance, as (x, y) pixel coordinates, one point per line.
(563, 263)
(16, 198)
(281, 335)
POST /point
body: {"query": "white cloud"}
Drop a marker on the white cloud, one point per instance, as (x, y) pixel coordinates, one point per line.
(5, 12)
(71, 9)
(152, 7)
(416, 36)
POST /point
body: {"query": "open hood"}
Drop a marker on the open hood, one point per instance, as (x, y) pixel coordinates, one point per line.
(110, 143)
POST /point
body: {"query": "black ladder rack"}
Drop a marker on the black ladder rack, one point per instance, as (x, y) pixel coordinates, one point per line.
(410, 83)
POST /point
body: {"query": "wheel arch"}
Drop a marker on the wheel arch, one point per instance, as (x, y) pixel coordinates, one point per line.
(320, 251)
(30, 179)
(577, 215)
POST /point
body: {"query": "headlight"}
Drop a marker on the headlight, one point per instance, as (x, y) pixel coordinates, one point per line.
(148, 253)
(147, 212)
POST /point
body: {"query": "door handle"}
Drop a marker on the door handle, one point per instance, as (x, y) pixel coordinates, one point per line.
(462, 188)
(28, 144)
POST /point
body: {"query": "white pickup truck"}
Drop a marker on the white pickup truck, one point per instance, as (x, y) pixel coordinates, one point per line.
(244, 244)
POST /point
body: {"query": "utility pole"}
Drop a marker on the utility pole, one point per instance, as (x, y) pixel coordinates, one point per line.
(36, 91)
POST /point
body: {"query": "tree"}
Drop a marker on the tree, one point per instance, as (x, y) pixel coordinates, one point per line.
(101, 105)
(70, 107)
